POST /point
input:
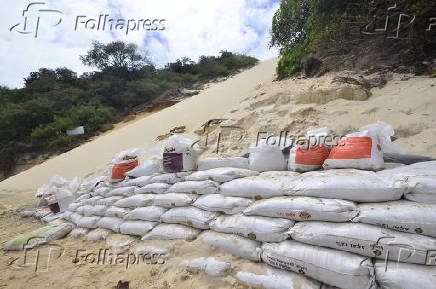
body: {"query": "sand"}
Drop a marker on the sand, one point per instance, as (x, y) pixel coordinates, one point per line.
(251, 101)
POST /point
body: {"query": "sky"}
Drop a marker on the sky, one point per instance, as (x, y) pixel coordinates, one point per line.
(53, 33)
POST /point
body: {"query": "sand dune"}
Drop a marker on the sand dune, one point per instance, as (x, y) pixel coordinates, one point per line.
(193, 112)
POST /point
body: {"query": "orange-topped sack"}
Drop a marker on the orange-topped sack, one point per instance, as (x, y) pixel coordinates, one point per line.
(123, 162)
(352, 148)
(120, 169)
(363, 149)
(310, 154)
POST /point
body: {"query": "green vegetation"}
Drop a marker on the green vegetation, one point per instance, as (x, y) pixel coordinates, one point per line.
(347, 29)
(34, 119)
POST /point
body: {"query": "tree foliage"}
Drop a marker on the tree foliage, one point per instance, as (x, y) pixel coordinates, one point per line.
(327, 28)
(34, 119)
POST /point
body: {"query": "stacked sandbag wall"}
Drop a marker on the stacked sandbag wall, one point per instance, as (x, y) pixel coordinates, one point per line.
(343, 227)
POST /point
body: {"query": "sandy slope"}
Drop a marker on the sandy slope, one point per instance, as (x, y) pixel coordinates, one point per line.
(297, 105)
(84, 160)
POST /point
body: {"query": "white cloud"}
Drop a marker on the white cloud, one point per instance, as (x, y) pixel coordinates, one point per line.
(193, 28)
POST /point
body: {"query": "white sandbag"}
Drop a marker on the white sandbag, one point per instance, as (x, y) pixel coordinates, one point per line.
(393, 275)
(91, 201)
(277, 279)
(172, 200)
(414, 170)
(101, 191)
(234, 244)
(97, 235)
(366, 240)
(214, 163)
(135, 201)
(258, 187)
(148, 168)
(360, 150)
(179, 154)
(151, 213)
(75, 218)
(348, 184)
(117, 212)
(384, 133)
(172, 232)
(110, 223)
(193, 187)
(141, 181)
(337, 268)
(220, 175)
(78, 232)
(124, 191)
(136, 228)
(90, 185)
(84, 210)
(256, 228)
(189, 216)
(304, 209)
(58, 232)
(219, 203)
(73, 206)
(267, 155)
(89, 211)
(88, 222)
(171, 178)
(404, 216)
(83, 197)
(210, 266)
(309, 153)
(421, 181)
(156, 188)
(108, 201)
(65, 215)
(422, 189)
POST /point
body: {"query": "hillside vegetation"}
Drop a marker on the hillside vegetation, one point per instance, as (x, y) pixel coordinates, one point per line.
(360, 34)
(34, 119)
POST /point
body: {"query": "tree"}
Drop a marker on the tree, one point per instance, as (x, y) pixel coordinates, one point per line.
(289, 24)
(115, 56)
(41, 73)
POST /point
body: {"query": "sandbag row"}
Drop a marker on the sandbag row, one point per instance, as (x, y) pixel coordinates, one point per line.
(355, 217)
(345, 184)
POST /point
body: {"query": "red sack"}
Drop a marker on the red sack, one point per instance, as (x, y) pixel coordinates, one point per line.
(120, 169)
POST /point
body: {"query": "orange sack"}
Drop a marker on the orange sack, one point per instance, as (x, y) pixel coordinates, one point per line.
(120, 169)
(308, 159)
